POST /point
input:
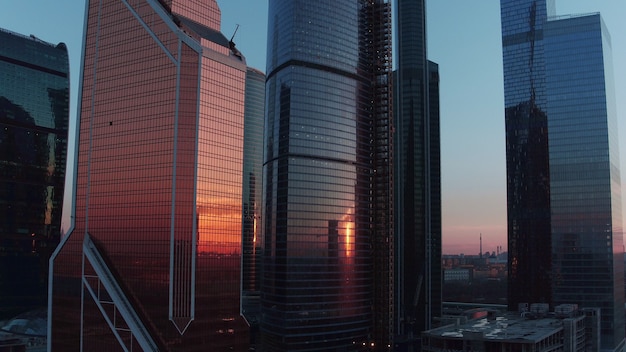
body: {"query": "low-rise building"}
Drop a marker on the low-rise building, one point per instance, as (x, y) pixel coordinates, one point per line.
(514, 332)
(457, 275)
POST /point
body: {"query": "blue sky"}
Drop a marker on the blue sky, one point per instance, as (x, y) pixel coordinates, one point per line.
(463, 37)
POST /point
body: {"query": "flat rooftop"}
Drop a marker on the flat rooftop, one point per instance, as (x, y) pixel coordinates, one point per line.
(510, 326)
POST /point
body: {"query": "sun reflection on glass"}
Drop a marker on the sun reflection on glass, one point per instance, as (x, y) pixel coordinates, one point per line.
(348, 227)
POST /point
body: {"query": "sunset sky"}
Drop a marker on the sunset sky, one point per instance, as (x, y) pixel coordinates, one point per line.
(463, 37)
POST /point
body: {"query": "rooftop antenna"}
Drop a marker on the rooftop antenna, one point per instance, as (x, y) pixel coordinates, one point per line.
(231, 44)
(481, 246)
(233, 37)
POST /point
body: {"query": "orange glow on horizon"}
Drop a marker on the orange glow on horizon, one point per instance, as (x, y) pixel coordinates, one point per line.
(219, 226)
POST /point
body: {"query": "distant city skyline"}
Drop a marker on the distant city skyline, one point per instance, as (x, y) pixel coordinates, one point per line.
(463, 37)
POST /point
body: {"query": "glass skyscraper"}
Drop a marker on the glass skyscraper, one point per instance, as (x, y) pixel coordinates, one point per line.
(254, 116)
(153, 260)
(564, 197)
(34, 111)
(585, 191)
(528, 176)
(417, 178)
(327, 276)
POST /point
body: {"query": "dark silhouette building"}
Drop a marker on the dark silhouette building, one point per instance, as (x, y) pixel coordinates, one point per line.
(564, 194)
(153, 259)
(527, 160)
(417, 178)
(34, 112)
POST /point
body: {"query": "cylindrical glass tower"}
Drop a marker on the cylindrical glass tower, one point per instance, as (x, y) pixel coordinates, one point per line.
(320, 175)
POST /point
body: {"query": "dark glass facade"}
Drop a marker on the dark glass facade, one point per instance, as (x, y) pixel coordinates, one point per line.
(378, 56)
(527, 164)
(254, 118)
(34, 111)
(564, 193)
(417, 181)
(327, 176)
(585, 191)
(153, 261)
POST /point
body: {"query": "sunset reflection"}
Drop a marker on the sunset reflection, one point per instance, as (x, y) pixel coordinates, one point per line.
(255, 230)
(158, 181)
(347, 224)
(219, 227)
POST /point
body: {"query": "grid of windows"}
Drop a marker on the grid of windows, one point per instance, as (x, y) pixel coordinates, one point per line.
(584, 176)
(564, 198)
(323, 33)
(34, 102)
(159, 179)
(252, 193)
(417, 178)
(311, 246)
(528, 196)
(320, 171)
(204, 12)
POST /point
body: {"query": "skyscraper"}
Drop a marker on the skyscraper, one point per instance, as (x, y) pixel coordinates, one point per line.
(417, 177)
(254, 116)
(327, 276)
(585, 191)
(564, 198)
(34, 111)
(528, 177)
(153, 260)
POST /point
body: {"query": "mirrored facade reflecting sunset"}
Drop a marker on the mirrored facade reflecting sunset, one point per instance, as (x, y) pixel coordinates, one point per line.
(154, 257)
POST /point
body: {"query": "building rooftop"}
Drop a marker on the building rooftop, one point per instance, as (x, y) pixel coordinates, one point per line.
(29, 37)
(508, 327)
